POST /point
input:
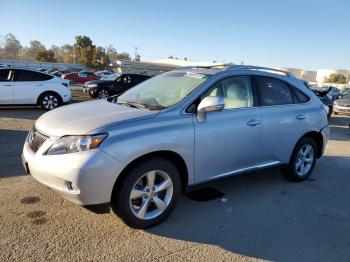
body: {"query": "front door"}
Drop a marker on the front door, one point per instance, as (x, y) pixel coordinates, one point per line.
(6, 86)
(228, 141)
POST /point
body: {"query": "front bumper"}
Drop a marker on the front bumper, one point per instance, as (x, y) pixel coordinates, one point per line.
(341, 109)
(85, 178)
(89, 90)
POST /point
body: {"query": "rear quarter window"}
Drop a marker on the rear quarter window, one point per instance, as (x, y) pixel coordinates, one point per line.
(299, 97)
(27, 75)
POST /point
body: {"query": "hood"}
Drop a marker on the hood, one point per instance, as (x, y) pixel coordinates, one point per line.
(343, 102)
(81, 118)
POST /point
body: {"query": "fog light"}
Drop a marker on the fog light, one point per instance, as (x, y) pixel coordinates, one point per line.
(71, 187)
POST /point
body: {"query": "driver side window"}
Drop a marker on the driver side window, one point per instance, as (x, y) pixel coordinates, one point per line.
(237, 92)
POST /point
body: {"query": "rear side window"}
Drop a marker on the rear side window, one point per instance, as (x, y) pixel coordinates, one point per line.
(27, 75)
(273, 91)
(5, 75)
(299, 97)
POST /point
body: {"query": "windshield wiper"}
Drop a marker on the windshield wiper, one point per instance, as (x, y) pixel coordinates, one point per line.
(132, 104)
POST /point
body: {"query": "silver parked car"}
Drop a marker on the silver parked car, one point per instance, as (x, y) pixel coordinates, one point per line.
(140, 150)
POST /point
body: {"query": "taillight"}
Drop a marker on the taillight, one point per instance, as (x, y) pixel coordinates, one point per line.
(325, 108)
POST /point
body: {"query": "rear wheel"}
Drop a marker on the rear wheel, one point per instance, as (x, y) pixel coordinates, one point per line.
(302, 161)
(49, 101)
(147, 194)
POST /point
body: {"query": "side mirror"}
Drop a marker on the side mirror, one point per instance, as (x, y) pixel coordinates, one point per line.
(209, 104)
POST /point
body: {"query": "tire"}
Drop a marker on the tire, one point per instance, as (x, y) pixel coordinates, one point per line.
(130, 210)
(103, 93)
(301, 164)
(49, 101)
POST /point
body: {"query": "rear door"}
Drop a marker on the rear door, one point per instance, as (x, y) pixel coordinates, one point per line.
(6, 86)
(284, 115)
(28, 86)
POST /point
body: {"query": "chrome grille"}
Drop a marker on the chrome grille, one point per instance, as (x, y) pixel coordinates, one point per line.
(35, 140)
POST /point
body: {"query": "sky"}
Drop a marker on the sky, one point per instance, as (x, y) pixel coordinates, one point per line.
(307, 34)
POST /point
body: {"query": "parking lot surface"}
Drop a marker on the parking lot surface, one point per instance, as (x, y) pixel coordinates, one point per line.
(261, 216)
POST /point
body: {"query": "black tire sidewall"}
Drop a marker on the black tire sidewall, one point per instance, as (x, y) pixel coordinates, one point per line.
(290, 173)
(120, 200)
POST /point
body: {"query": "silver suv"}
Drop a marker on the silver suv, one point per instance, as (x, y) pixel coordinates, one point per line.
(140, 150)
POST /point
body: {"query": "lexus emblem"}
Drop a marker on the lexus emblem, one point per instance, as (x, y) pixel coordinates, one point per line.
(31, 137)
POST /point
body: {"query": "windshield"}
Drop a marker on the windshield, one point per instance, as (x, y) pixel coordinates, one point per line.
(110, 77)
(163, 91)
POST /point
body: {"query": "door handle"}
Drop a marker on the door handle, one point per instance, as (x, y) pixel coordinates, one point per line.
(8, 85)
(300, 117)
(253, 122)
(39, 85)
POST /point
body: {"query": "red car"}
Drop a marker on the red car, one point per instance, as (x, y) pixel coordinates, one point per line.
(80, 77)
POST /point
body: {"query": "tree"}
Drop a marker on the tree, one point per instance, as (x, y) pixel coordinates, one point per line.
(67, 53)
(57, 53)
(46, 56)
(138, 58)
(335, 79)
(84, 50)
(123, 56)
(31, 52)
(100, 58)
(11, 47)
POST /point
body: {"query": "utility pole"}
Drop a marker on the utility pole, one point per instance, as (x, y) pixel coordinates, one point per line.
(135, 52)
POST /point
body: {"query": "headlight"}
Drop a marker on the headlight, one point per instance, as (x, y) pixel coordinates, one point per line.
(92, 85)
(72, 144)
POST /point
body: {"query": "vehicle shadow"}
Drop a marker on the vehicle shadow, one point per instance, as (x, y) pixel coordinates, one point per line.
(340, 128)
(11, 144)
(266, 217)
(21, 112)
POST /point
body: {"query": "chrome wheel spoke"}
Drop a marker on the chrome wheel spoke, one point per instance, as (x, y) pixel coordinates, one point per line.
(150, 178)
(137, 193)
(309, 160)
(160, 204)
(307, 150)
(143, 209)
(164, 185)
(298, 163)
(302, 169)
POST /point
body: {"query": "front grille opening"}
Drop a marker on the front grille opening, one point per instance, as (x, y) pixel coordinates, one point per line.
(35, 140)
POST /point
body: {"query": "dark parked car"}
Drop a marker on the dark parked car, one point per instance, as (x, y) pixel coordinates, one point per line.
(327, 96)
(113, 85)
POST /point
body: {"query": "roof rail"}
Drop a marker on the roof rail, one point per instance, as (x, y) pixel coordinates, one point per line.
(206, 67)
(248, 67)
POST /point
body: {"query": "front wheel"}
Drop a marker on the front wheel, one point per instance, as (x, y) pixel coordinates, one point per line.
(147, 194)
(102, 93)
(302, 161)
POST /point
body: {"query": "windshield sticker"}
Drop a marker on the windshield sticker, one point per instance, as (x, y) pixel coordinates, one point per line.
(195, 75)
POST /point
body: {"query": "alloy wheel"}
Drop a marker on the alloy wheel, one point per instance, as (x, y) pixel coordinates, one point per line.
(103, 94)
(50, 102)
(305, 160)
(151, 195)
